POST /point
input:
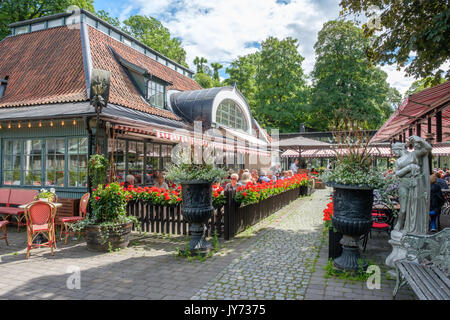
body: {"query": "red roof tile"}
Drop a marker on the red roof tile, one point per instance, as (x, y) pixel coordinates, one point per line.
(43, 67)
(122, 90)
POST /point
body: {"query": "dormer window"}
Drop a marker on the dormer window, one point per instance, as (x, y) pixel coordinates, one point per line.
(156, 93)
(3, 83)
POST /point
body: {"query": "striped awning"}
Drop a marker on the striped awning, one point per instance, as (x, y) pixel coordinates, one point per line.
(331, 153)
(188, 138)
(441, 151)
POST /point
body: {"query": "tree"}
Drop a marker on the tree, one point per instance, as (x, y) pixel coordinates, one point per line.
(199, 63)
(18, 10)
(281, 85)
(204, 80)
(422, 84)
(151, 32)
(410, 29)
(346, 84)
(216, 67)
(242, 72)
(102, 14)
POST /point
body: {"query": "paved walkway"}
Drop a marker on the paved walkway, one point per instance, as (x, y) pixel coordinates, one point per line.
(275, 259)
(279, 263)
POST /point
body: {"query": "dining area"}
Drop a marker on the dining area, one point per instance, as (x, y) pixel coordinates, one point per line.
(41, 213)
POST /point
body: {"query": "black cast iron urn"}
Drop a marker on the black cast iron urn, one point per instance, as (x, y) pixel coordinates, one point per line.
(197, 210)
(352, 209)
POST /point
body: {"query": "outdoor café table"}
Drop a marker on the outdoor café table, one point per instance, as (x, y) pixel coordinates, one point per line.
(57, 205)
(382, 206)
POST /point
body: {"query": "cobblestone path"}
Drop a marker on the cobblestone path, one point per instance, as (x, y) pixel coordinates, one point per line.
(280, 262)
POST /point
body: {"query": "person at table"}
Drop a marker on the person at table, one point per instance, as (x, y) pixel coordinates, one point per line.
(440, 181)
(160, 183)
(271, 176)
(295, 165)
(129, 181)
(233, 184)
(263, 177)
(246, 178)
(437, 200)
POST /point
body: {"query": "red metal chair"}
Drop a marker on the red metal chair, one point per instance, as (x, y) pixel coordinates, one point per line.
(40, 217)
(3, 227)
(382, 221)
(66, 221)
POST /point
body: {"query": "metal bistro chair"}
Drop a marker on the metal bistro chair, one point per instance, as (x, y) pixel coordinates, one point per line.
(66, 221)
(40, 217)
(445, 210)
(382, 221)
(3, 224)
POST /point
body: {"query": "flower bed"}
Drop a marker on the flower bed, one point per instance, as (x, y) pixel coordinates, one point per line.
(251, 193)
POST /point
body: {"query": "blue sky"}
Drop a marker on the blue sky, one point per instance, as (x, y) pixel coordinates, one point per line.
(221, 30)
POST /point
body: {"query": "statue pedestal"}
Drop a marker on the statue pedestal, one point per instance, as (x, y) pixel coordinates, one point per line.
(398, 252)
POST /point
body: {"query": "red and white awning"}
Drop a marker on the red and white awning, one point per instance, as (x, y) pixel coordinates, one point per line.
(187, 138)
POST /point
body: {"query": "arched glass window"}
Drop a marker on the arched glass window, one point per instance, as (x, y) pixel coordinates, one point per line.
(231, 115)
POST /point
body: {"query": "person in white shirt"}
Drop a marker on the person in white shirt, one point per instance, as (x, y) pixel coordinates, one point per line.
(294, 166)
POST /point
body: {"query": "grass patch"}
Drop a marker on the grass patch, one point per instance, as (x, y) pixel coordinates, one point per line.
(190, 256)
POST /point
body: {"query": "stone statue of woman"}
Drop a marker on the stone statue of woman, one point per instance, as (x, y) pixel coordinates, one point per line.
(414, 189)
(412, 168)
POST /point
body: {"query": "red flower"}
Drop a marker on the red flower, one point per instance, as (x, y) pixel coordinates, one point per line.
(97, 198)
(244, 194)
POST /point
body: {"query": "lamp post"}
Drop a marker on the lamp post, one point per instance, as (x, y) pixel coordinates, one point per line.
(99, 96)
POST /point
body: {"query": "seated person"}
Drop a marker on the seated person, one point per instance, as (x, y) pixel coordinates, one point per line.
(246, 178)
(160, 183)
(263, 177)
(437, 200)
(440, 181)
(271, 176)
(233, 184)
(129, 181)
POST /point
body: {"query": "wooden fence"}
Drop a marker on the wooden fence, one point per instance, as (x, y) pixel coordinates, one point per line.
(227, 221)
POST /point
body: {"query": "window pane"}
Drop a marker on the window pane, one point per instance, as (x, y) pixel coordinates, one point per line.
(55, 162)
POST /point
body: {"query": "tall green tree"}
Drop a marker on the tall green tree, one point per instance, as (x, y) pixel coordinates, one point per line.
(242, 72)
(199, 63)
(151, 32)
(281, 85)
(216, 67)
(19, 10)
(346, 85)
(102, 14)
(407, 29)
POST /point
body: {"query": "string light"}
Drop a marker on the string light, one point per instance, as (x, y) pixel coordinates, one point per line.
(19, 126)
(40, 124)
(74, 122)
(51, 123)
(9, 125)
(62, 122)
(0, 126)
(29, 124)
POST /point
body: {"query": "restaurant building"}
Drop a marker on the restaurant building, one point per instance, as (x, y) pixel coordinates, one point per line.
(48, 127)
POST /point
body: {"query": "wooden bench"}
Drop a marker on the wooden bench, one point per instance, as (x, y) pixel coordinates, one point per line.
(426, 266)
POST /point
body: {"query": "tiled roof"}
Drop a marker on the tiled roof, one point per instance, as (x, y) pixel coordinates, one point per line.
(43, 67)
(122, 90)
(46, 67)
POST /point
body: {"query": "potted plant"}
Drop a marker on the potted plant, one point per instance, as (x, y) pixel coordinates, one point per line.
(353, 180)
(45, 195)
(108, 227)
(196, 181)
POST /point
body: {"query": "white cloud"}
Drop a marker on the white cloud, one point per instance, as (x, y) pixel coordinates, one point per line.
(398, 78)
(221, 30)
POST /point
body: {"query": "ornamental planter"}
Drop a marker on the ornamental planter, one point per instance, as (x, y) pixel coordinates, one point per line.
(105, 239)
(334, 245)
(352, 207)
(197, 209)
